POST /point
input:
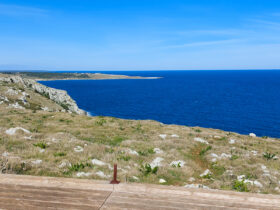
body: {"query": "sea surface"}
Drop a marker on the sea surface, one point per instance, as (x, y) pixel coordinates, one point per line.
(238, 101)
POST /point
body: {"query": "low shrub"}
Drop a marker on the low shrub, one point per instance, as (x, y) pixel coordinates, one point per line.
(147, 169)
(100, 122)
(42, 145)
(269, 156)
(59, 154)
(240, 186)
(203, 151)
(123, 157)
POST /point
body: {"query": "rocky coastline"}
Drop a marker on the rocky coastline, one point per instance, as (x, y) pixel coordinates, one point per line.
(60, 97)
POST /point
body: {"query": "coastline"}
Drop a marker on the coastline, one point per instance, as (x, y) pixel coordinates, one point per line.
(125, 77)
(41, 137)
(50, 76)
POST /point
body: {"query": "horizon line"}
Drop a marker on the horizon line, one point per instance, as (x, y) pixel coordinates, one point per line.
(18, 70)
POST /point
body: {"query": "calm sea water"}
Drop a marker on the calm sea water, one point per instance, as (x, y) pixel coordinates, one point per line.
(239, 101)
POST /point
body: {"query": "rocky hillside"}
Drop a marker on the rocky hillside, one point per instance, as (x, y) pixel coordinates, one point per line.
(58, 96)
(41, 136)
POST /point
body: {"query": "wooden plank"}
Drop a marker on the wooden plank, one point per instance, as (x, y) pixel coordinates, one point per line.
(173, 200)
(122, 205)
(58, 193)
(11, 203)
(157, 203)
(54, 192)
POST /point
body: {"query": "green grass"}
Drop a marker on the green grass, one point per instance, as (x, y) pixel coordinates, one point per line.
(234, 157)
(78, 167)
(42, 145)
(100, 122)
(269, 156)
(240, 186)
(147, 169)
(60, 154)
(147, 152)
(203, 151)
(117, 140)
(124, 157)
(217, 169)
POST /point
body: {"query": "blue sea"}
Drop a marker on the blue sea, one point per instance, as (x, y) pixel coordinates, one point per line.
(238, 101)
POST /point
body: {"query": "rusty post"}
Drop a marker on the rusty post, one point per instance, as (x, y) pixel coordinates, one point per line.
(115, 181)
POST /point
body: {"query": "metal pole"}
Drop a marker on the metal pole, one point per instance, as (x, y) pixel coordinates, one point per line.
(115, 181)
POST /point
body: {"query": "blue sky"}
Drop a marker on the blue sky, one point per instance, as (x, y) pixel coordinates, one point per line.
(139, 34)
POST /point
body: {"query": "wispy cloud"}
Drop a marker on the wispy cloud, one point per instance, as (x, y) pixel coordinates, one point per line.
(211, 32)
(270, 23)
(205, 43)
(17, 10)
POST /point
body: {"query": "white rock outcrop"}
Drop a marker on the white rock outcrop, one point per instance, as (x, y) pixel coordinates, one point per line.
(78, 149)
(252, 135)
(102, 175)
(58, 96)
(132, 152)
(36, 162)
(162, 181)
(216, 157)
(156, 162)
(205, 173)
(201, 140)
(12, 131)
(16, 106)
(81, 174)
(191, 179)
(5, 154)
(98, 162)
(196, 186)
(178, 163)
(64, 164)
(158, 151)
(247, 181)
(232, 141)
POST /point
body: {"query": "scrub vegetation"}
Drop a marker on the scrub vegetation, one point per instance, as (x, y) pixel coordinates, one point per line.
(52, 142)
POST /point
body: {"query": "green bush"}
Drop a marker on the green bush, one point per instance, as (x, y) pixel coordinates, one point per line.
(240, 186)
(42, 145)
(59, 154)
(269, 156)
(203, 151)
(125, 158)
(117, 140)
(79, 166)
(147, 169)
(176, 165)
(64, 106)
(147, 152)
(100, 122)
(234, 157)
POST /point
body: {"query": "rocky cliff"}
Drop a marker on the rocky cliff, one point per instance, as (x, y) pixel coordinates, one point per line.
(60, 97)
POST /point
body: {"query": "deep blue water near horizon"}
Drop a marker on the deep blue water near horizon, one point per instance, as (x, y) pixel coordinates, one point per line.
(237, 101)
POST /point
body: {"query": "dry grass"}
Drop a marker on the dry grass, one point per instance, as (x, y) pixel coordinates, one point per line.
(110, 140)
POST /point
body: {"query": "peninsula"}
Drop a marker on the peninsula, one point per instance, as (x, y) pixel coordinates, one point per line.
(40, 76)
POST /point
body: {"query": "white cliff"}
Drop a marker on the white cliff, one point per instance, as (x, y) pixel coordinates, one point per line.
(60, 97)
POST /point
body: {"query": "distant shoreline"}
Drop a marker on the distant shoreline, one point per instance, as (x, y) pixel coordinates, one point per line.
(53, 76)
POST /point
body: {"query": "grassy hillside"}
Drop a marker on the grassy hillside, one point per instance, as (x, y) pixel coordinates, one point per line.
(37, 137)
